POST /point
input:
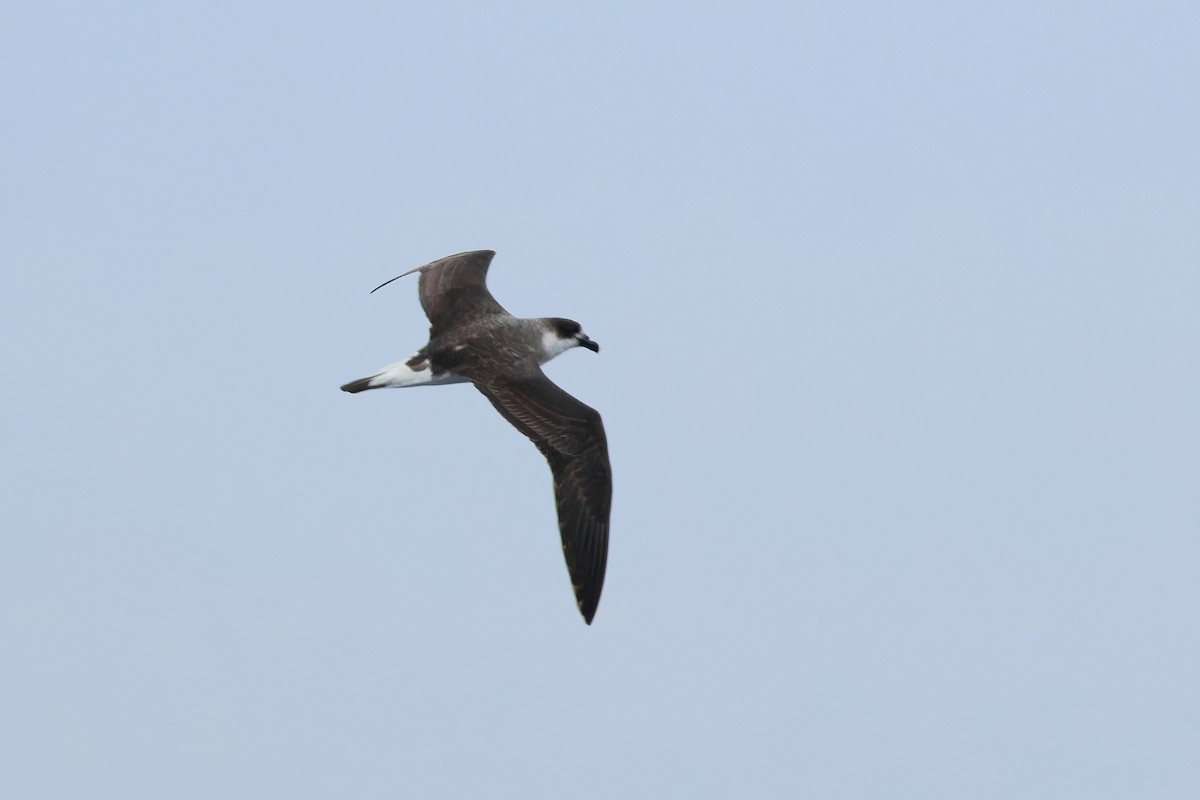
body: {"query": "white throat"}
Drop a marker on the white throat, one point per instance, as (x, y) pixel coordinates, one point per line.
(553, 345)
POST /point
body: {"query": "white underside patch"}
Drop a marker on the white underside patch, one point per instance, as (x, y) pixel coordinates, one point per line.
(400, 375)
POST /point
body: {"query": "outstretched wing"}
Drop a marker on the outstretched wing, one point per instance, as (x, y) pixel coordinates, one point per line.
(454, 288)
(571, 436)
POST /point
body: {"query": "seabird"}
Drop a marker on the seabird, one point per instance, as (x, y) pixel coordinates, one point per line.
(473, 339)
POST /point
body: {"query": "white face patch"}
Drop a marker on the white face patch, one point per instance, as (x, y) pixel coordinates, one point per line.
(553, 345)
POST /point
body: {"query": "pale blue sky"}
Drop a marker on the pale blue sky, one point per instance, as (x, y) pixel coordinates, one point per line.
(898, 314)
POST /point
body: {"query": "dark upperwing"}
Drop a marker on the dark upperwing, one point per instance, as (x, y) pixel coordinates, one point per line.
(571, 437)
(454, 289)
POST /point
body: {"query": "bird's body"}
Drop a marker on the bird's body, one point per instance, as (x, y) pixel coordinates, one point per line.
(472, 338)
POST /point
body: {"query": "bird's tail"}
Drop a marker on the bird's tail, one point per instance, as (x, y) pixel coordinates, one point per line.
(414, 372)
(361, 385)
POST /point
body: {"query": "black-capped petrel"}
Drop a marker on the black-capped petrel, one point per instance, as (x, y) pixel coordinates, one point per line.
(472, 338)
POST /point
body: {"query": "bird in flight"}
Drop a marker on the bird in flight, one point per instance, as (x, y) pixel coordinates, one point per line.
(473, 339)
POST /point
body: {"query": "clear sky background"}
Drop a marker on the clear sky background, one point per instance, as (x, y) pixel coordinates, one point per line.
(898, 312)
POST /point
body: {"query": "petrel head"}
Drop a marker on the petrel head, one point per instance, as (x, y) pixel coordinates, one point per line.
(563, 334)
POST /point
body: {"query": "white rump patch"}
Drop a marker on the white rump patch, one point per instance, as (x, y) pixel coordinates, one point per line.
(400, 375)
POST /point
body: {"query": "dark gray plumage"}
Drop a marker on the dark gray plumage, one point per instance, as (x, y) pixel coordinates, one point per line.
(472, 338)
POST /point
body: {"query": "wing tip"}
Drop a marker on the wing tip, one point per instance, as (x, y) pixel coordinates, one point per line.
(587, 603)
